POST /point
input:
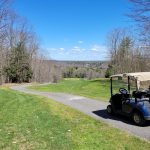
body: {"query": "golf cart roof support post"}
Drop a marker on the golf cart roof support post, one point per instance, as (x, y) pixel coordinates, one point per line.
(111, 86)
(136, 89)
(129, 84)
(136, 84)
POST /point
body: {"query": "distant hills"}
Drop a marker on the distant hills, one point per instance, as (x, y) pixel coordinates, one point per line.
(86, 64)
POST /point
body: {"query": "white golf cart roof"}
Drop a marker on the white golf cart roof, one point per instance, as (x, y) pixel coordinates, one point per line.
(139, 76)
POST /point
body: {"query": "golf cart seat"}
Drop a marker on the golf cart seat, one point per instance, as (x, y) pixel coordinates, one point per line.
(139, 94)
(118, 99)
(126, 96)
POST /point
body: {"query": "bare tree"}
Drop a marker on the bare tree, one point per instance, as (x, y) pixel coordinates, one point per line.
(5, 13)
(120, 44)
(140, 12)
(140, 9)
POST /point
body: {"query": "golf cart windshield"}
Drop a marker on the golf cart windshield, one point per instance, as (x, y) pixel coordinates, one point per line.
(120, 82)
(130, 81)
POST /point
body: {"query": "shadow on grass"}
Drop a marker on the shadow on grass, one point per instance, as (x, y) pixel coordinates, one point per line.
(103, 113)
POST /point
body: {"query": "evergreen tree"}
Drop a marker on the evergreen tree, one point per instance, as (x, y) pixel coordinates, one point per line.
(109, 71)
(19, 69)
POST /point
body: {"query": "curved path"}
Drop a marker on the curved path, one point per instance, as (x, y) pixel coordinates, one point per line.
(93, 108)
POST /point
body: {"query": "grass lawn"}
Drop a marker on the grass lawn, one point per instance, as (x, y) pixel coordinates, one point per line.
(32, 122)
(98, 89)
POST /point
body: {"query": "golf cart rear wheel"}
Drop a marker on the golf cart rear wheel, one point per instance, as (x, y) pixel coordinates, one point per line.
(109, 109)
(138, 118)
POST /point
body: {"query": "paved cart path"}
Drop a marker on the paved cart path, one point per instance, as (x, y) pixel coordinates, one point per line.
(93, 108)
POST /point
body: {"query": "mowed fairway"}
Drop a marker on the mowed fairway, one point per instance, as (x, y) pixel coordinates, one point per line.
(32, 122)
(97, 89)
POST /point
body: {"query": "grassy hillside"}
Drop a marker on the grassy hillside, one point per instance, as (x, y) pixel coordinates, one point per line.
(31, 122)
(97, 89)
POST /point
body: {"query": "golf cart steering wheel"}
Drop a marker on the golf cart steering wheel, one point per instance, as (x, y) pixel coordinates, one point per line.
(123, 91)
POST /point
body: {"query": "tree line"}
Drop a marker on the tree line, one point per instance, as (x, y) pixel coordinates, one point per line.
(82, 72)
(129, 49)
(20, 58)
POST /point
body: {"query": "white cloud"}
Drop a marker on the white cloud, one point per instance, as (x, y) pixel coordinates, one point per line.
(60, 53)
(80, 42)
(76, 48)
(98, 48)
(62, 49)
(55, 49)
(94, 49)
(78, 52)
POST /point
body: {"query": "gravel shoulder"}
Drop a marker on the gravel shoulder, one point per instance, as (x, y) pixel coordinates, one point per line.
(93, 108)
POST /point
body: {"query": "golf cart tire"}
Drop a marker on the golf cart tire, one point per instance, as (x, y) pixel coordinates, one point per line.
(110, 110)
(138, 118)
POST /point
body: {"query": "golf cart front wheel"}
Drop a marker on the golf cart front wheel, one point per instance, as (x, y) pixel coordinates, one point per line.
(109, 109)
(138, 118)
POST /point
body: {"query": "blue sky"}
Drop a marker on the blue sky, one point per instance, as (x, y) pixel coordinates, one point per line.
(74, 29)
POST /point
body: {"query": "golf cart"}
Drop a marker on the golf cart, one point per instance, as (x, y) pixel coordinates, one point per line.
(132, 101)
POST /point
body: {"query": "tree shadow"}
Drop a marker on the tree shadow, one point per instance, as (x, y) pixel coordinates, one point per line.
(103, 113)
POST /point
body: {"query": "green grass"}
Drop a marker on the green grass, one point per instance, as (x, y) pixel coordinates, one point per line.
(31, 122)
(98, 89)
